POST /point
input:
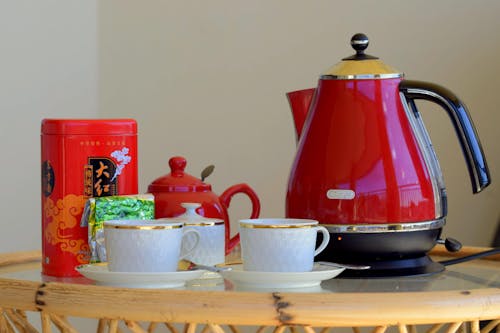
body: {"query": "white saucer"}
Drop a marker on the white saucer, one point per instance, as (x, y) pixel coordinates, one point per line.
(281, 280)
(102, 276)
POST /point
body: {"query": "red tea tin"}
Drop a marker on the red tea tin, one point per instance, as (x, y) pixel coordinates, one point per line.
(81, 158)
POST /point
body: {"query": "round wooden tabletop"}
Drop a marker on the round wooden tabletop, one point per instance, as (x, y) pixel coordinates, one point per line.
(462, 298)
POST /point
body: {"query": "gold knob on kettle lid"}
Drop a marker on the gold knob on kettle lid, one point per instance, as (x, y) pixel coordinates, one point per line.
(360, 66)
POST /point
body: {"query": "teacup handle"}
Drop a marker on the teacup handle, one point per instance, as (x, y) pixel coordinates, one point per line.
(326, 239)
(187, 252)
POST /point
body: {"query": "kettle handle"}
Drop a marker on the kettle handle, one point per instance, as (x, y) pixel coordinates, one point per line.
(467, 135)
(225, 199)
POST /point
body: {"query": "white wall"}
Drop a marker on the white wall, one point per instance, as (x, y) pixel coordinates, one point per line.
(207, 80)
(48, 68)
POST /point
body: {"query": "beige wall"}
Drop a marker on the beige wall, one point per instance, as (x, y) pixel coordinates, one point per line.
(48, 68)
(207, 80)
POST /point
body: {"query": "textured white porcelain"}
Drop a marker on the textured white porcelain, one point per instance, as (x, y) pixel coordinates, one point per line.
(210, 250)
(101, 275)
(280, 244)
(146, 245)
(246, 280)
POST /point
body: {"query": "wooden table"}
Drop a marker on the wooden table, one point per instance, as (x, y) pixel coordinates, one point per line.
(466, 298)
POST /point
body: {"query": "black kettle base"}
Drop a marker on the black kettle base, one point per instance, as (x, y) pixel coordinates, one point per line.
(389, 254)
(419, 266)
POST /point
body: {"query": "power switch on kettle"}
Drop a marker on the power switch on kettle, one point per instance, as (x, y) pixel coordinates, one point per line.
(340, 194)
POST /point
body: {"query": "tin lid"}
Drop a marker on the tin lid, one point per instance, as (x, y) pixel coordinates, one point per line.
(89, 126)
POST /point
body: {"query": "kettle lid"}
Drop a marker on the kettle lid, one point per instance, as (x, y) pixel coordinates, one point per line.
(178, 180)
(361, 65)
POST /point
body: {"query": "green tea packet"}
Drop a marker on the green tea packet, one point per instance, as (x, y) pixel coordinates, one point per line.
(120, 207)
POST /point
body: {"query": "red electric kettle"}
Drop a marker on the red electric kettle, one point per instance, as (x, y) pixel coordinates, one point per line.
(365, 167)
(178, 187)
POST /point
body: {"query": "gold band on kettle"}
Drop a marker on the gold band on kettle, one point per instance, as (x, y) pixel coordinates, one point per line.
(384, 228)
(359, 70)
(275, 226)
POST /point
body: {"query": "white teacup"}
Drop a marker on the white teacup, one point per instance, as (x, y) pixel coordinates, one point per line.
(280, 244)
(146, 245)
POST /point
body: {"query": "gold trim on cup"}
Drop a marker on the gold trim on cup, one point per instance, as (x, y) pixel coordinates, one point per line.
(142, 227)
(203, 224)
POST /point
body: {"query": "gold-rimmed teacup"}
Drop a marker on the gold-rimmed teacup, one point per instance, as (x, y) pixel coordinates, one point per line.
(146, 245)
(280, 244)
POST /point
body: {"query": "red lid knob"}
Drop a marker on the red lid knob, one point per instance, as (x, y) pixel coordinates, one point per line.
(177, 165)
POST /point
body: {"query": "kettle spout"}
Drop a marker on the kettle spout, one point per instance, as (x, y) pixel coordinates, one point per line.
(300, 101)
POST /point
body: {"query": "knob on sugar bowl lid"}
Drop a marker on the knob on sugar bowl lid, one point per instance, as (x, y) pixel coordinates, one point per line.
(191, 217)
